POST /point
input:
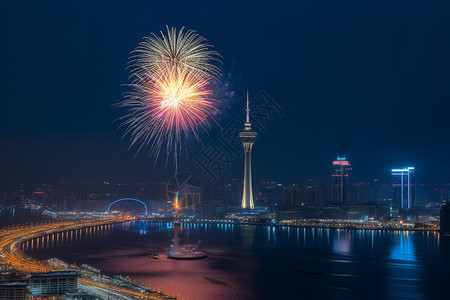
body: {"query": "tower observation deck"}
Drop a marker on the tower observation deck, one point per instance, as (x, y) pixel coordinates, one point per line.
(248, 137)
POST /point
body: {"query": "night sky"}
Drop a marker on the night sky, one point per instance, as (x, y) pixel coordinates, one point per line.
(370, 80)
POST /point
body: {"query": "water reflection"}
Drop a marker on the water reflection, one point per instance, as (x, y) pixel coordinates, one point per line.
(342, 242)
(248, 235)
(69, 238)
(404, 250)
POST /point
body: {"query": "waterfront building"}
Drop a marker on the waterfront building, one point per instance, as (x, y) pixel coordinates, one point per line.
(291, 197)
(13, 290)
(371, 192)
(339, 181)
(431, 194)
(361, 192)
(382, 193)
(314, 196)
(365, 212)
(307, 194)
(402, 188)
(360, 212)
(228, 192)
(445, 218)
(248, 137)
(269, 194)
(53, 283)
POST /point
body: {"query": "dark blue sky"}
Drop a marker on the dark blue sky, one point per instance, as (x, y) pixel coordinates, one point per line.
(366, 79)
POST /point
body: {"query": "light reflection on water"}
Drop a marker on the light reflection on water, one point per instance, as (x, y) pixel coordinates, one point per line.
(263, 262)
(342, 242)
(404, 250)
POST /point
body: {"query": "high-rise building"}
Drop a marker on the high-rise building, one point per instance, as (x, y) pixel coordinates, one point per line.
(269, 194)
(361, 192)
(228, 192)
(339, 180)
(291, 197)
(445, 218)
(402, 188)
(313, 196)
(248, 137)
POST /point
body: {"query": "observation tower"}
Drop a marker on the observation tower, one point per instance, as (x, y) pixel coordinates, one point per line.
(248, 137)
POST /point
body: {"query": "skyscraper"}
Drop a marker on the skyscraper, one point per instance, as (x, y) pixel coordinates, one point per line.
(339, 180)
(402, 188)
(313, 196)
(248, 137)
(291, 197)
(445, 218)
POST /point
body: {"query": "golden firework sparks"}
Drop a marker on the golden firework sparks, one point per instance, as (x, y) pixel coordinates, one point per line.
(170, 98)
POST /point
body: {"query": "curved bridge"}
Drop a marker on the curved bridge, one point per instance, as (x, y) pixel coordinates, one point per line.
(128, 199)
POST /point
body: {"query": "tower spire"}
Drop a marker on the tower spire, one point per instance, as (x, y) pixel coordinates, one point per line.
(247, 120)
(247, 137)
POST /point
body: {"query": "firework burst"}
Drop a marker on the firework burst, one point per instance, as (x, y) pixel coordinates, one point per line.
(175, 49)
(170, 97)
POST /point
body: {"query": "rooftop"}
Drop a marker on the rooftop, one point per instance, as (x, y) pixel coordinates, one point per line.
(54, 274)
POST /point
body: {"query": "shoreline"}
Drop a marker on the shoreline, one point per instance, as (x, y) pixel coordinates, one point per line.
(319, 226)
(13, 238)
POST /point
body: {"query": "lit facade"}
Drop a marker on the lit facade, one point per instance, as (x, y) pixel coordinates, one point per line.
(339, 180)
(248, 137)
(53, 283)
(402, 188)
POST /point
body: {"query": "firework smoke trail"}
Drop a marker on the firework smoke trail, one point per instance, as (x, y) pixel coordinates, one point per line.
(170, 75)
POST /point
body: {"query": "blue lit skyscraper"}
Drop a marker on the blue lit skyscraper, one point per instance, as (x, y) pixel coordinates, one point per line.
(402, 188)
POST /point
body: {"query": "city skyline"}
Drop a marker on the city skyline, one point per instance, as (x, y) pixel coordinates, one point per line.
(230, 190)
(386, 178)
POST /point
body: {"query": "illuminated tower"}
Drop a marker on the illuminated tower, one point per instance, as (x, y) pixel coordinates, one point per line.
(248, 137)
(339, 180)
(402, 188)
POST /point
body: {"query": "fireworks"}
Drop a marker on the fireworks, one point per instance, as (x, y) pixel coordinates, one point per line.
(182, 49)
(170, 98)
